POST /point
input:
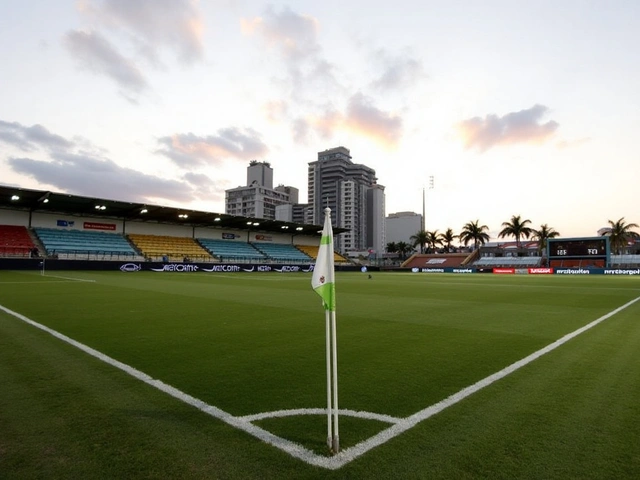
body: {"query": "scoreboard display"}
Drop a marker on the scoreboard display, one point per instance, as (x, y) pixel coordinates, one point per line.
(597, 247)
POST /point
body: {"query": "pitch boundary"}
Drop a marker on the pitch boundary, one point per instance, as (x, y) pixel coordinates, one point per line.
(347, 455)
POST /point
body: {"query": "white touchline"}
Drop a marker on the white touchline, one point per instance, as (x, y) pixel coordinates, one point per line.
(70, 278)
(295, 450)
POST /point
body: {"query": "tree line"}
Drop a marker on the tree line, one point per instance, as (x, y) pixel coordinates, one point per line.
(620, 232)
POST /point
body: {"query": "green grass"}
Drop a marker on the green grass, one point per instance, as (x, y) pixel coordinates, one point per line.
(251, 343)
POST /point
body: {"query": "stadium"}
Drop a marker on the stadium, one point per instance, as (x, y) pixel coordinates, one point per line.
(142, 341)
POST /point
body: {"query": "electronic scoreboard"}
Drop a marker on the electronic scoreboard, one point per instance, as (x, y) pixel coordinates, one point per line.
(578, 248)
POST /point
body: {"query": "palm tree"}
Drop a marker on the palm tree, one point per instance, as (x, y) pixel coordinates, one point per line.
(472, 232)
(447, 238)
(434, 239)
(392, 247)
(620, 233)
(517, 228)
(403, 249)
(420, 239)
(542, 235)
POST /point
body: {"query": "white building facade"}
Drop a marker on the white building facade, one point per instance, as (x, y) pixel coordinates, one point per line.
(258, 199)
(401, 226)
(336, 182)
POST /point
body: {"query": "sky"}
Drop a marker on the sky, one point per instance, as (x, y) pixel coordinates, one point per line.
(513, 107)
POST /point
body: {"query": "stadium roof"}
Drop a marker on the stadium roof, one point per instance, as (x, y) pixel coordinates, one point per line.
(63, 203)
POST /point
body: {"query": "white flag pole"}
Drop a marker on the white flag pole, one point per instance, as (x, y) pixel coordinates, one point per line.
(329, 409)
(323, 282)
(334, 342)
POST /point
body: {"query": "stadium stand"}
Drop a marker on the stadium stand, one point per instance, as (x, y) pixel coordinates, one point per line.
(577, 263)
(436, 260)
(530, 261)
(15, 241)
(312, 251)
(227, 250)
(168, 248)
(282, 252)
(621, 261)
(86, 245)
(230, 251)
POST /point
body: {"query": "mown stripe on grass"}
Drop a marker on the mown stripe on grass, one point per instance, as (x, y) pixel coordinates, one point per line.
(297, 451)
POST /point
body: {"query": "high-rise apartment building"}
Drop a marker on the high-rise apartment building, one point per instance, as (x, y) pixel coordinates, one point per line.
(376, 231)
(338, 183)
(401, 226)
(258, 199)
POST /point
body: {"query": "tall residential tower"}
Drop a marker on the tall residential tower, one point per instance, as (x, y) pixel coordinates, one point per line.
(335, 181)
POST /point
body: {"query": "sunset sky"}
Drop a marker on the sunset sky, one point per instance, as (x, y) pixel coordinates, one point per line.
(514, 107)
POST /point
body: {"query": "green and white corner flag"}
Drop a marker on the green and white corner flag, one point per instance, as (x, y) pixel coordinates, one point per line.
(323, 279)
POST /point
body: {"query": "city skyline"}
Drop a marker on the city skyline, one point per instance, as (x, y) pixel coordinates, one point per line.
(514, 108)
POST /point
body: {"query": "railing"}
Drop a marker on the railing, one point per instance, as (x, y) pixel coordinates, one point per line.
(15, 251)
(94, 255)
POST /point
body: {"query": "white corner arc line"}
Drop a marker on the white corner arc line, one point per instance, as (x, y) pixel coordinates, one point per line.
(320, 411)
(295, 450)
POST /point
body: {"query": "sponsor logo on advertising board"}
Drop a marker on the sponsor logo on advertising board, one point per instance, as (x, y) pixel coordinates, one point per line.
(99, 226)
(130, 267)
(462, 270)
(229, 236)
(572, 271)
(436, 261)
(222, 268)
(415, 270)
(504, 270)
(540, 271)
(264, 238)
(622, 271)
(288, 268)
(432, 270)
(65, 223)
(176, 267)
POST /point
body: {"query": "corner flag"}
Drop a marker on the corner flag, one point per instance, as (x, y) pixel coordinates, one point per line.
(323, 279)
(324, 283)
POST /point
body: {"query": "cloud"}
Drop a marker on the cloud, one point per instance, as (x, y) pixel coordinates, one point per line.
(188, 150)
(85, 175)
(205, 188)
(152, 24)
(141, 28)
(398, 71)
(295, 37)
(515, 127)
(82, 168)
(361, 117)
(31, 138)
(301, 130)
(275, 111)
(365, 118)
(95, 53)
(562, 144)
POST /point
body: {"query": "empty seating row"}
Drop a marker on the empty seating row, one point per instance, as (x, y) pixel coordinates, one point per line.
(15, 241)
(282, 252)
(510, 261)
(227, 250)
(312, 251)
(169, 248)
(627, 259)
(57, 241)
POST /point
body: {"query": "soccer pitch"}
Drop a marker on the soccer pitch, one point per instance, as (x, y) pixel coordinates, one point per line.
(244, 354)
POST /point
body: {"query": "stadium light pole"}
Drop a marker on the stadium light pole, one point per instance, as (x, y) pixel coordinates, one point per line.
(424, 203)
